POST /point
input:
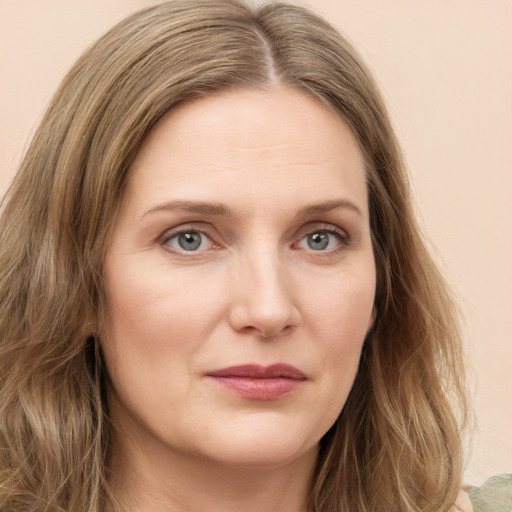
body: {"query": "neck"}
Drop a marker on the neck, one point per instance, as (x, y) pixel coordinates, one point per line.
(146, 478)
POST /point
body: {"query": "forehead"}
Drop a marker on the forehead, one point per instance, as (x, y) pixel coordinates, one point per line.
(265, 142)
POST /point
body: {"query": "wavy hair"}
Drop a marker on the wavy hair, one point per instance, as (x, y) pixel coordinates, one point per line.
(397, 443)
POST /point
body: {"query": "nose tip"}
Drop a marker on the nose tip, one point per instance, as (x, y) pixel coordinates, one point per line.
(262, 327)
(264, 303)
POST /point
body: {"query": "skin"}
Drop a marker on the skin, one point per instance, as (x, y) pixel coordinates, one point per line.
(254, 291)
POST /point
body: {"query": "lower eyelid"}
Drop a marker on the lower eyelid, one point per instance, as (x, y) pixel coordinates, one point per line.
(168, 236)
(341, 237)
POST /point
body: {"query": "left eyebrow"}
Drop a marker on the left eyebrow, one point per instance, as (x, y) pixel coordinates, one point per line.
(328, 206)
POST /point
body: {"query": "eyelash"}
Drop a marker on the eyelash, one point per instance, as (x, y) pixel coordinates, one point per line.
(341, 235)
(170, 234)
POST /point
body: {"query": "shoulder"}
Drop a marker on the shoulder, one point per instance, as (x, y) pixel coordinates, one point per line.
(462, 503)
(495, 495)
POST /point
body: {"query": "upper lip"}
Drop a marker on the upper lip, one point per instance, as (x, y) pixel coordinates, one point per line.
(255, 371)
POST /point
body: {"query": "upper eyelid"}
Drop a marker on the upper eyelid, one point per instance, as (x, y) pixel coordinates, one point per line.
(206, 229)
(311, 227)
(183, 228)
(169, 234)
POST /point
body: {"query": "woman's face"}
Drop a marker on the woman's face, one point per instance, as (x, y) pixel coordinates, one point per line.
(240, 281)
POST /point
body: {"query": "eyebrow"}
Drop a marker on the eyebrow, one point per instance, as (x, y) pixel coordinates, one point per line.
(221, 210)
(217, 209)
(328, 206)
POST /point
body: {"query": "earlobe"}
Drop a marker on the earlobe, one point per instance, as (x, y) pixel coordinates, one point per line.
(89, 329)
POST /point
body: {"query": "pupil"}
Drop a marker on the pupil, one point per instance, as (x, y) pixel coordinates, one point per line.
(318, 241)
(189, 241)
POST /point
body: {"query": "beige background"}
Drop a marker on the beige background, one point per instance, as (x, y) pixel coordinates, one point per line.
(446, 70)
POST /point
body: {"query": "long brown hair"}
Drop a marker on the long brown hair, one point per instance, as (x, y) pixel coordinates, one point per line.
(395, 447)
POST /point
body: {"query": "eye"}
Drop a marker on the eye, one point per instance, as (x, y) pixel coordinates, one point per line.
(189, 241)
(322, 240)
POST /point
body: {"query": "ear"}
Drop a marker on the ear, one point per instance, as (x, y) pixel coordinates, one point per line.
(87, 330)
(89, 323)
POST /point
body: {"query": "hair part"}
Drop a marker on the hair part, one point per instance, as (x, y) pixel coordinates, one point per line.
(395, 447)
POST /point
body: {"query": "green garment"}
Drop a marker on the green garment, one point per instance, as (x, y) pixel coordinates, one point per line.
(495, 495)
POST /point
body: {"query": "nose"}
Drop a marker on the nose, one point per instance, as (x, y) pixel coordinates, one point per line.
(264, 301)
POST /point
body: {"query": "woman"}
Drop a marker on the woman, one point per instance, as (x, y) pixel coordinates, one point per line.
(214, 292)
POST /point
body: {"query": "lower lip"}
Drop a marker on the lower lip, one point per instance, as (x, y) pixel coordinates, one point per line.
(260, 389)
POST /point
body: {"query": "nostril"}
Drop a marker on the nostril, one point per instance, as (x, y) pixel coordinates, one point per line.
(281, 332)
(267, 333)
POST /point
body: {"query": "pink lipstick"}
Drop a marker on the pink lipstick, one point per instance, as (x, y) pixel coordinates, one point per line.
(259, 382)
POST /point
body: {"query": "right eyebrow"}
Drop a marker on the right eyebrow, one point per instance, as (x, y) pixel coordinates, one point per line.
(203, 208)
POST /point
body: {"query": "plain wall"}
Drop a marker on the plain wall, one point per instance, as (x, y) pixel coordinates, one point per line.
(445, 67)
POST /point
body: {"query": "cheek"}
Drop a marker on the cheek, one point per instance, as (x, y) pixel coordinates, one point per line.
(161, 305)
(341, 310)
(149, 324)
(339, 318)
(156, 324)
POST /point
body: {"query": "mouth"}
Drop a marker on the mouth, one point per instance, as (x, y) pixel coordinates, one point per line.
(255, 382)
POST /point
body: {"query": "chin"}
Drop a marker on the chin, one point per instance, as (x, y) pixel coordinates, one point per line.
(263, 451)
(272, 458)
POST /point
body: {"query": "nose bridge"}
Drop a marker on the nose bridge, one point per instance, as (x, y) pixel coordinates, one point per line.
(264, 299)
